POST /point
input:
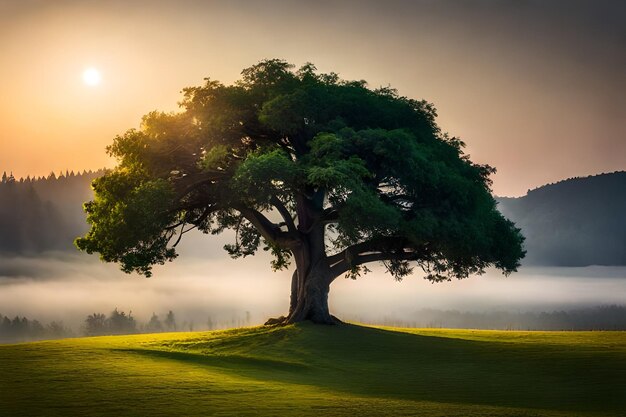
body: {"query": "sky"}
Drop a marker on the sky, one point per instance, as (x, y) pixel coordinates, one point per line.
(534, 88)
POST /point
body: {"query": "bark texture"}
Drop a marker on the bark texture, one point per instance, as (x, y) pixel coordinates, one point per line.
(310, 282)
(311, 301)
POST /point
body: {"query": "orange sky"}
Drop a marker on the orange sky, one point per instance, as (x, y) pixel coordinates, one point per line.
(535, 89)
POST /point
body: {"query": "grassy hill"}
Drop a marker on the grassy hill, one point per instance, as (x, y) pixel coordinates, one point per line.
(309, 370)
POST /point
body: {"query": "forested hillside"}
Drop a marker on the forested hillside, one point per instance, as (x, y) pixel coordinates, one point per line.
(43, 214)
(576, 222)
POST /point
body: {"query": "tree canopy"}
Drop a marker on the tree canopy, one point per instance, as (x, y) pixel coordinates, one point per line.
(326, 173)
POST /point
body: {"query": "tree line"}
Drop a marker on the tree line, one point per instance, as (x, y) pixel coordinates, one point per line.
(610, 317)
(44, 213)
(10, 178)
(21, 329)
(118, 322)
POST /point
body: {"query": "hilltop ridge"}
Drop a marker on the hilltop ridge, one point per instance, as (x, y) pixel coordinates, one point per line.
(574, 222)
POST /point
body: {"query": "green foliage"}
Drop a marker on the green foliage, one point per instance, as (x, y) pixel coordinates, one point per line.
(247, 240)
(214, 158)
(264, 173)
(364, 165)
(281, 257)
(128, 216)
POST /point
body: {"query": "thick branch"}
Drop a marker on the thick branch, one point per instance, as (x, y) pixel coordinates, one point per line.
(269, 230)
(187, 184)
(381, 244)
(378, 249)
(284, 213)
(330, 215)
(207, 210)
(345, 266)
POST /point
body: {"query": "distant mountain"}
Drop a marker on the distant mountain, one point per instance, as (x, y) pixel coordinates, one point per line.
(575, 222)
(43, 214)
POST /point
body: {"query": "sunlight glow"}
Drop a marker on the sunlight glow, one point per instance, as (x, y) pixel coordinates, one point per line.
(92, 77)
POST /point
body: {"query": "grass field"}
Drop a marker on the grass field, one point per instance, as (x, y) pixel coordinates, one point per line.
(309, 370)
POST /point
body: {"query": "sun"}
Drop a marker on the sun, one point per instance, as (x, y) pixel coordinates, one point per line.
(92, 77)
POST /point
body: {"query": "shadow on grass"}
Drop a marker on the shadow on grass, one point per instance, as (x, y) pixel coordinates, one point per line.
(381, 363)
(225, 362)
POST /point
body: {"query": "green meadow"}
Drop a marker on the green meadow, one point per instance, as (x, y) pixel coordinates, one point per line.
(311, 370)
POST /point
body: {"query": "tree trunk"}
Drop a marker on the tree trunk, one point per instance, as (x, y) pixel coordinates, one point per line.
(310, 284)
(311, 301)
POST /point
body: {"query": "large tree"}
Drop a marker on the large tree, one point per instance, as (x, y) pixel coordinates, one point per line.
(325, 173)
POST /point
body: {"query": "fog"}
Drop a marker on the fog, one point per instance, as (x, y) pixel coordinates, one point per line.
(205, 283)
